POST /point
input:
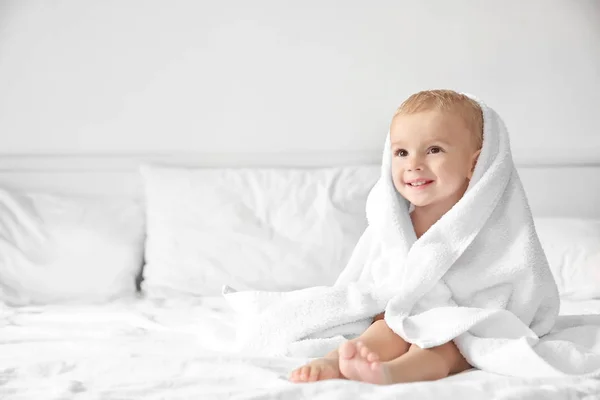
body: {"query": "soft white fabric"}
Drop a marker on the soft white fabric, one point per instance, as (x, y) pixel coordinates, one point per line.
(165, 349)
(269, 229)
(478, 276)
(68, 249)
(572, 246)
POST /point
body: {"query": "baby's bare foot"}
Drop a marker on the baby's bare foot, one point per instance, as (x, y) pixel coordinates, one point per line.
(317, 370)
(359, 363)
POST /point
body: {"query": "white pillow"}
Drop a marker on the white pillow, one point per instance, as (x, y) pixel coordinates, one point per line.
(68, 249)
(572, 246)
(269, 229)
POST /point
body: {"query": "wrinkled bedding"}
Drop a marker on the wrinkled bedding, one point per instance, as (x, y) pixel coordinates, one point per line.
(151, 349)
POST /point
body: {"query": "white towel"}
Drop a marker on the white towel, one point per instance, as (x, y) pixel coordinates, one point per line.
(478, 276)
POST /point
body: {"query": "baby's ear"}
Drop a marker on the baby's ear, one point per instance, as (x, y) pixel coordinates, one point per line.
(474, 163)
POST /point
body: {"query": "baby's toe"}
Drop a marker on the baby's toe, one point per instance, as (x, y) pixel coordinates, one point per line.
(348, 350)
(304, 372)
(295, 375)
(372, 357)
(364, 352)
(314, 374)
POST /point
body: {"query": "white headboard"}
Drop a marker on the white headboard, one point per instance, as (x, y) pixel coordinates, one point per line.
(564, 188)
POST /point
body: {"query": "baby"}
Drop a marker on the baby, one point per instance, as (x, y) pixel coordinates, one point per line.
(436, 137)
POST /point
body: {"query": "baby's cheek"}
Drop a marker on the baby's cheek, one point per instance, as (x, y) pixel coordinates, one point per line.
(398, 184)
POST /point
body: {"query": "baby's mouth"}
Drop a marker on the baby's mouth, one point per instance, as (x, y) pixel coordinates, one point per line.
(421, 183)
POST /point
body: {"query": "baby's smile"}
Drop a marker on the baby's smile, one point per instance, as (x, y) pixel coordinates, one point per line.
(419, 184)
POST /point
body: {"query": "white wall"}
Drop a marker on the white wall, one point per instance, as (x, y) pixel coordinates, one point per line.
(271, 75)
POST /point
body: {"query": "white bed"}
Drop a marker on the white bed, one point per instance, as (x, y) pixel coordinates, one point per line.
(89, 90)
(137, 347)
(148, 349)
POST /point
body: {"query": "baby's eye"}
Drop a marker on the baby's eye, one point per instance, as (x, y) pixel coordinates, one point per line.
(435, 150)
(401, 153)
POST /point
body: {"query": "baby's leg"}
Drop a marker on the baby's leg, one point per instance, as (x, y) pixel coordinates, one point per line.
(363, 358)
(414, 366)
(426, 364)
(379, 338)
(382, 341)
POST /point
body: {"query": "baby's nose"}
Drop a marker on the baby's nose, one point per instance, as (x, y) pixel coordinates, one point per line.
(414, 163)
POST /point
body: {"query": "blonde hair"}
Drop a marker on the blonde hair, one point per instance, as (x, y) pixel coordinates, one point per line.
(450, 101)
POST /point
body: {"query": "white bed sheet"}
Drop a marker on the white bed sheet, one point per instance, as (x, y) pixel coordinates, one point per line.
(144, 349)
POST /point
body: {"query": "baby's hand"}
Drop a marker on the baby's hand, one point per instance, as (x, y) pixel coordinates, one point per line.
(317, 370)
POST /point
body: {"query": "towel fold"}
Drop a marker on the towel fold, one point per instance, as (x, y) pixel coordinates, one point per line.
(478, 276)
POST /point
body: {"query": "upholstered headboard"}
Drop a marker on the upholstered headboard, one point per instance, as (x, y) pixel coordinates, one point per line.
(563, 188)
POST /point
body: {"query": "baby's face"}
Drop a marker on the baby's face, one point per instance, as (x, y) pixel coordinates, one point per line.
(433, 155)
